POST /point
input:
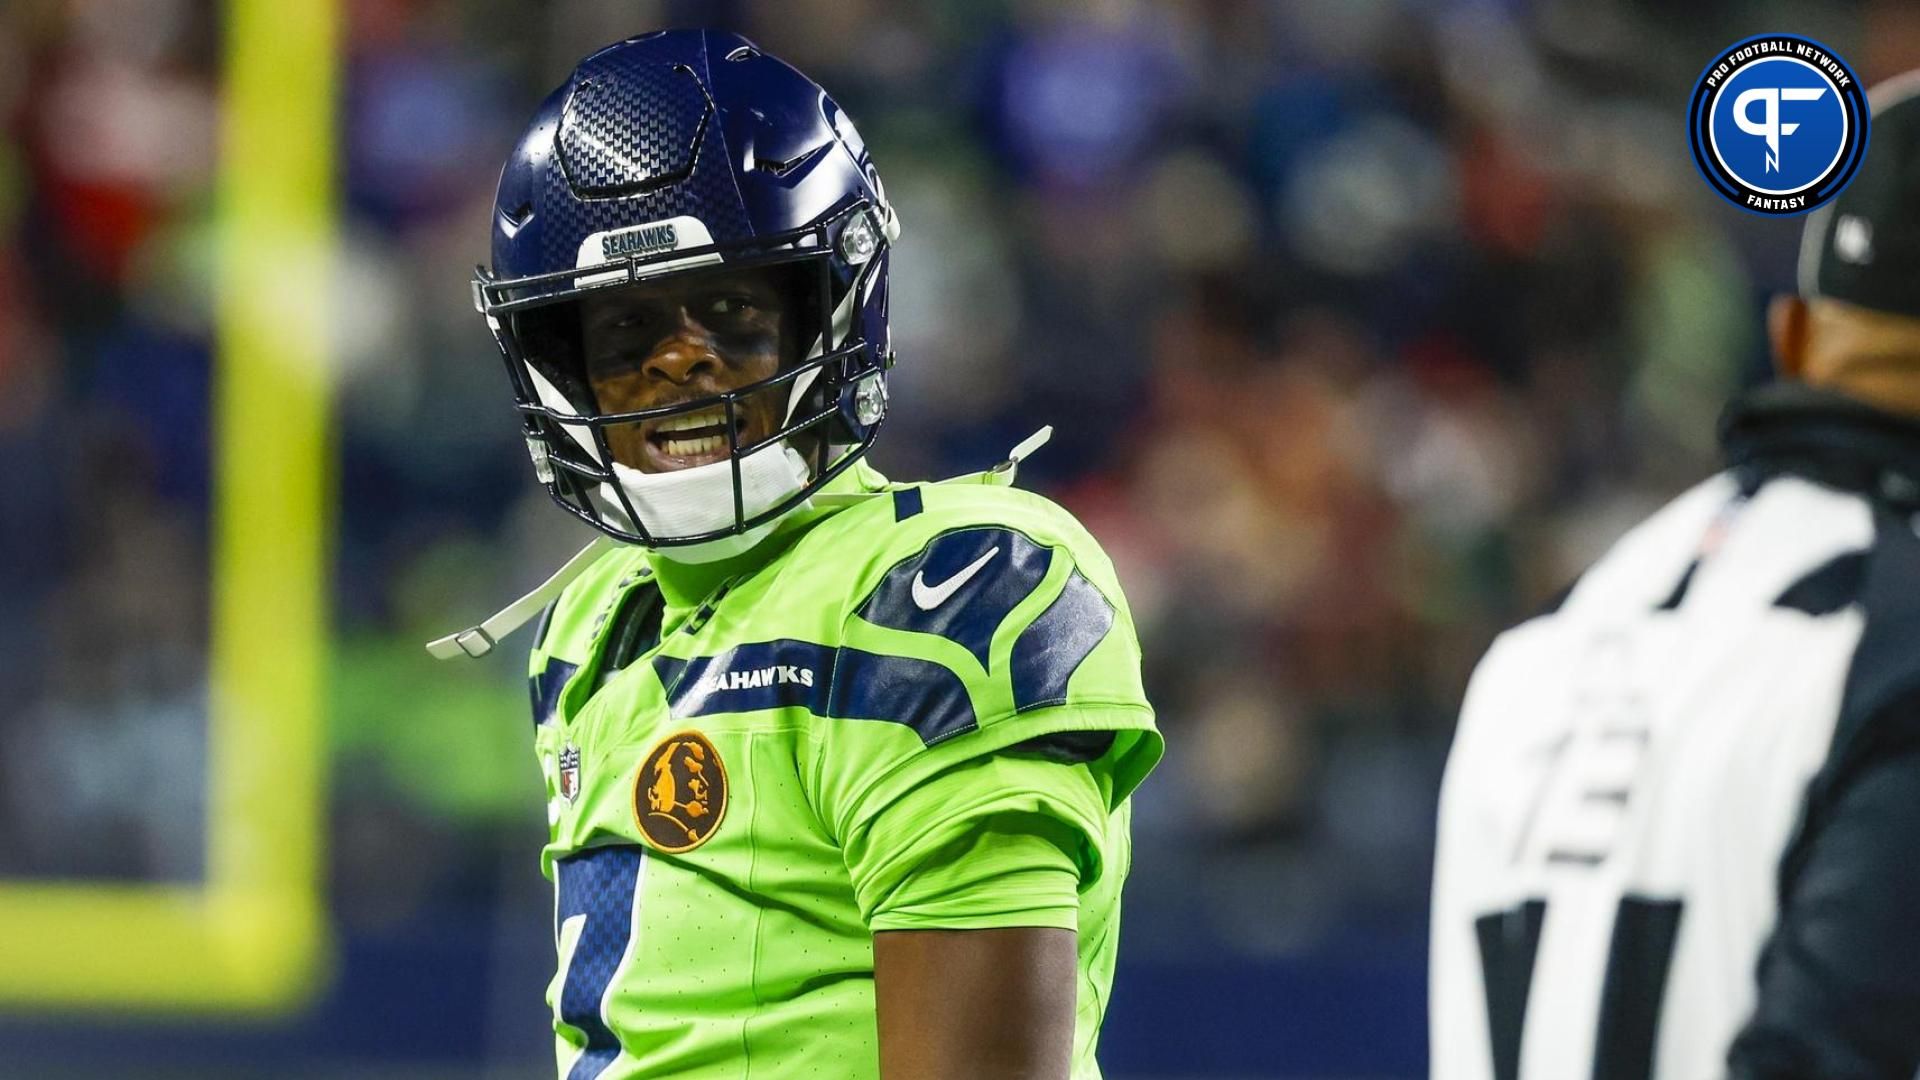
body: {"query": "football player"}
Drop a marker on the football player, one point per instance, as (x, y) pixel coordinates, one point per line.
(838, 767)
(1678, 827)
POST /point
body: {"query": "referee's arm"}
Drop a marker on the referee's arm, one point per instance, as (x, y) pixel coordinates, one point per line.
(1839, 994)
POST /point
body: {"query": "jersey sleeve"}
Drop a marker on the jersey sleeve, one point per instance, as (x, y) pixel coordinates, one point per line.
(976, 637)
(998, 841)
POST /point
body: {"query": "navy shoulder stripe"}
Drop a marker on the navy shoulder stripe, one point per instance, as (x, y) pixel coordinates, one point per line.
(545, 689)
(843, 684)
(546, 622)
(1049, 651)
(906, 503)
(961, 586)
(927, 697)
(763, 675)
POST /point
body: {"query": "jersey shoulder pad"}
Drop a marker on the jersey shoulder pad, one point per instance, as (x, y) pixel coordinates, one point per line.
(563, 638)
(972, 604)
(918, 530)
(972, 620)
(568, 625)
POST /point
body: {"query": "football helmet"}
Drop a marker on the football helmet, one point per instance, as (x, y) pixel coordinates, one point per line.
(679, 152)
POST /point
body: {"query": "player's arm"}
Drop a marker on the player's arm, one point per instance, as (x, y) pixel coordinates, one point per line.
(966, 1004)
(981, 807)
(1839, 989)
(971, 883)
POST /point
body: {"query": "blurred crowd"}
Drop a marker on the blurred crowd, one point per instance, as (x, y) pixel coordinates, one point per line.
(1362, 326)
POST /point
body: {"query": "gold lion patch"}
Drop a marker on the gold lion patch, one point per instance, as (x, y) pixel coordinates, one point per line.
(681, 793)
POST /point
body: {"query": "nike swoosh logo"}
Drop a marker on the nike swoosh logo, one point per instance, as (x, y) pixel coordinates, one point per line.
(927, 597)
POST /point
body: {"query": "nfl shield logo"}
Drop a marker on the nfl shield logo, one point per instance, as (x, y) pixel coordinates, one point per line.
(570, 772)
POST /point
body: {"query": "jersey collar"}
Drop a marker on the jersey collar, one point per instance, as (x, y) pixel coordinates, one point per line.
(1824, 436)
(685, 585)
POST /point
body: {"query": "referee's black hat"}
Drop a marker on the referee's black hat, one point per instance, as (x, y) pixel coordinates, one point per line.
(1864, 247)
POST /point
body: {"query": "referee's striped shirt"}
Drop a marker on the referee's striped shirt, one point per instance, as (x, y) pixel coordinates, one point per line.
(1680, 827)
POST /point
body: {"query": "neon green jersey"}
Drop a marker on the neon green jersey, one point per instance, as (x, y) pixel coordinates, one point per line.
(737, 806)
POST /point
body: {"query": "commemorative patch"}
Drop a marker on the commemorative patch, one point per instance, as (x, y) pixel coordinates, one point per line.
(680, 795)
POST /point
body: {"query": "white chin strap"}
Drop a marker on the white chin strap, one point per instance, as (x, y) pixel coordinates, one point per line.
(686, 502)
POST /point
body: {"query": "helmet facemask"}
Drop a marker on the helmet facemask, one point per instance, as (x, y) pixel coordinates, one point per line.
(825, 401)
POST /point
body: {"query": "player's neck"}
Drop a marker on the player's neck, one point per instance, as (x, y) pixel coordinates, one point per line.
(1868, 355)
(1890, 387)
(684, 584)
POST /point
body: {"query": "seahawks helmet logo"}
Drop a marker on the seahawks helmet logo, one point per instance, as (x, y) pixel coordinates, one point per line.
(640, 240)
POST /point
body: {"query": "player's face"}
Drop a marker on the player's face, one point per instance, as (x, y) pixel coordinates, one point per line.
(681, 339)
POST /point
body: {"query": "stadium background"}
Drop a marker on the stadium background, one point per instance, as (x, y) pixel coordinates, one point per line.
(1362, 325)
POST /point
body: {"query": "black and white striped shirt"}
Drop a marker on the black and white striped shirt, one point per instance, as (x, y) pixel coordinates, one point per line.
(1680, 827)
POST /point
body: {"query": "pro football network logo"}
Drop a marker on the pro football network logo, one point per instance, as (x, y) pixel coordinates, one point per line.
(1778, 124)
(681, 793)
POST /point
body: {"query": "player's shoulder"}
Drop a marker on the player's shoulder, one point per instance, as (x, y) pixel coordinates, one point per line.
(945, 505)
(993, 600)
(1638, 570)
(567, 626)
(976, 618)
(951, 534)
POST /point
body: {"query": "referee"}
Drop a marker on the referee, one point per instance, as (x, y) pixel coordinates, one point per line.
(1680, 827)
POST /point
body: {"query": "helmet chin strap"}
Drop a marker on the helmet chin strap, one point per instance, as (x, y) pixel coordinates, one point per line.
(682, 500)
(700, 499)
(479, 640)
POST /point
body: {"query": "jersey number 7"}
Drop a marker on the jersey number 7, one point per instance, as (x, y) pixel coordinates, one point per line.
(594, 902)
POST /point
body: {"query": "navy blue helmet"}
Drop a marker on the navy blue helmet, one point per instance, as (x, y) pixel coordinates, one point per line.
(680, 152)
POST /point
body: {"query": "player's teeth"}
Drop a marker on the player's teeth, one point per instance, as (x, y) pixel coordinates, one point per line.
(692, 447)
(708, 418)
